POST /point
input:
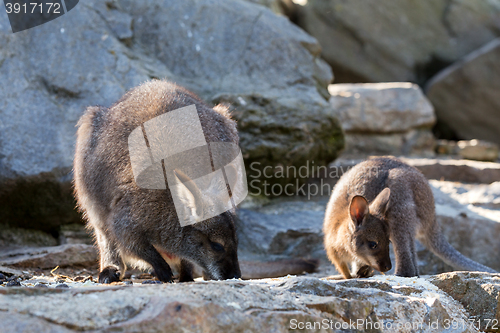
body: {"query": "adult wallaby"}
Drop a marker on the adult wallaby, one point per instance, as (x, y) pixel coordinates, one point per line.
(140, 226)
(379, 201)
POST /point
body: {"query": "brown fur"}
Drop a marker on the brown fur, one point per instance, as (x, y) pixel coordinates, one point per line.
(135, 225)
(382, 200)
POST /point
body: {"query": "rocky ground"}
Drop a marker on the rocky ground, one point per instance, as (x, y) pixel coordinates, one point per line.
(53, 288)
(382, 303)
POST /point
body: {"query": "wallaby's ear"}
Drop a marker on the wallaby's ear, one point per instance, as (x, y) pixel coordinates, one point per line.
(189, 193)
(358, 209)
(381, 202)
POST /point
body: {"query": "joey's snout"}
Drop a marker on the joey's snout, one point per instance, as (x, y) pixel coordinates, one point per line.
(384, 266)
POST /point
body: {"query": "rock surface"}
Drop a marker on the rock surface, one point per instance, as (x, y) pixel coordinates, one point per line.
(457, 170)
(465, 94)
(384, 118)
(282, 229)
(370, 41)
(14, 237)
(267, 67)
(50, 257)
(478, 293)
(478, 150)
(381, 303)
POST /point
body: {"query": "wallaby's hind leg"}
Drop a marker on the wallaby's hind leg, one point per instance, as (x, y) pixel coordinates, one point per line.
(110, 259)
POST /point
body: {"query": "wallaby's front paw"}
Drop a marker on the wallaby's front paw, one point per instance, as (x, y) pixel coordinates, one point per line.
(364, 272)
(185, 277)
(109, 275)
(163, 276)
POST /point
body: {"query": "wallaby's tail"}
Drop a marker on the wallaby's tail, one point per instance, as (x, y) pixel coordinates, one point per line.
(272, 269)
(440, 246)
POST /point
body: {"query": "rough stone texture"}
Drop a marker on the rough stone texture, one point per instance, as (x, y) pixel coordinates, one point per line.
(465, 94)
(478, 293)
(478, 150)
(223, 50)
(417, 142)
(381, 107)
(398, 41)
(274, 5)
(384, 118)
(11, 237)
(50, 257)
(282, 229)
(480, 195)
(75, 234)
(22, 323)
(464, 171)
(271, 305)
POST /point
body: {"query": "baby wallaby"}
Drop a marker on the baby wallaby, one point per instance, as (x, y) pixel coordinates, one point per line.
(140, 226)
(380, 201)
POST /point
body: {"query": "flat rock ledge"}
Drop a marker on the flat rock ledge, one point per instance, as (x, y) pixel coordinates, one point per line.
(440, 303)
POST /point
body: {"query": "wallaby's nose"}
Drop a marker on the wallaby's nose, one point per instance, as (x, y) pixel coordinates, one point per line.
(386, 266)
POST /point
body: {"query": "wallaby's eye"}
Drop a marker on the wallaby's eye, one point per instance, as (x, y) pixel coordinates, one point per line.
(217, 247)
(372, 245)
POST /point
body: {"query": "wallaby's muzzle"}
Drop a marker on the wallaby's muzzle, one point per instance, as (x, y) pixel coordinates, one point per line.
(226, 268)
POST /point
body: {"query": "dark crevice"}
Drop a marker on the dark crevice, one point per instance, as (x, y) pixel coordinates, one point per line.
(38, 202)
(424, 72)
(443, 131)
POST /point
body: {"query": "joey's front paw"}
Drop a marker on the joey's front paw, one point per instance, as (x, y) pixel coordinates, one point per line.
(364, 272)
(109, 275)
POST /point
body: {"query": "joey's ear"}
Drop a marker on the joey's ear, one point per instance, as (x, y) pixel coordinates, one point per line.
(381, 202)
(358, 209)
(189, 193)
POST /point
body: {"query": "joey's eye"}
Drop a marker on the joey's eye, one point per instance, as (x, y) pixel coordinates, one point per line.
(372, 245)
(217, 247)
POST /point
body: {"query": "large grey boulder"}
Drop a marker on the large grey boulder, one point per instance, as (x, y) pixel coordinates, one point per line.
(384, 118)
(231, 51)
(374, 40)
(266, 67)
(465, 94)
